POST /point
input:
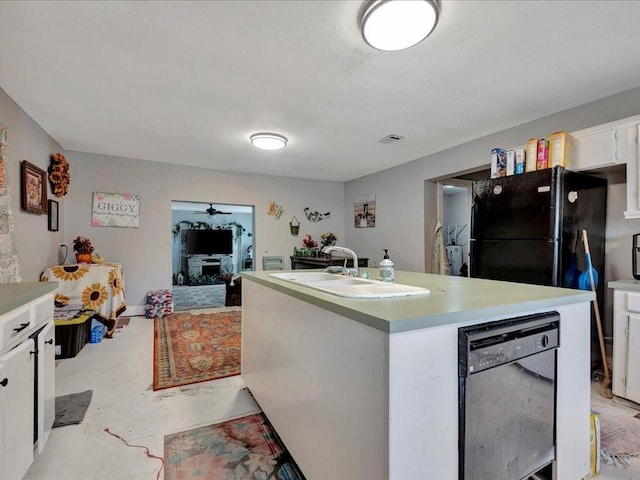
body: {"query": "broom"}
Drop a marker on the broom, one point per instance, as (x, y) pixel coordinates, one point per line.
(605, 384)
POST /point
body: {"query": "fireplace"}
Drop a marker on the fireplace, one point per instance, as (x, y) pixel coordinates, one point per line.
(212, 270)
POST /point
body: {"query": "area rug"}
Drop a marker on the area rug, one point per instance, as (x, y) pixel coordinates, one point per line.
(200, 296)
(70, 409)
(196, 346)
(619, 433)
(245, 448)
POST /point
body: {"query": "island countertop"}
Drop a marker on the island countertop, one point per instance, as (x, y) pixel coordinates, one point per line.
(14, 295)
(452, 301)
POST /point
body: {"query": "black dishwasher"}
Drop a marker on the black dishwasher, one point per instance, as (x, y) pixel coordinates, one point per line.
(507, 397)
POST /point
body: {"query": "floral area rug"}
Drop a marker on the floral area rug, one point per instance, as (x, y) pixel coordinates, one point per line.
(196, 346)
(245, 448)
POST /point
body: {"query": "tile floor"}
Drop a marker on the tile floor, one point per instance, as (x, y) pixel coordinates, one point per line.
(120, 372)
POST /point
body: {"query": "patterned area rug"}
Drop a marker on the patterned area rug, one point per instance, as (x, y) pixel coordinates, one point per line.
(245, 448)
(619, 431)
(196, 346)
(201, 296)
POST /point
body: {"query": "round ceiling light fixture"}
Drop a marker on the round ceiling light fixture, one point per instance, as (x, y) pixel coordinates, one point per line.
(269, 141)
(392, 25)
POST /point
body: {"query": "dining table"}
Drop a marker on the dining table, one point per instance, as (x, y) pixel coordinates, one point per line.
(97, 287)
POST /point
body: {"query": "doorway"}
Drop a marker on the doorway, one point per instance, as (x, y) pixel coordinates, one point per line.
(212, 242)
(456, 224)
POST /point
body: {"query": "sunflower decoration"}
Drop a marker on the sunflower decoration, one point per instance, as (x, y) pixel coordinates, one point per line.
(60, 300)
(69, 272)
(93, 296)
(115, 282)
(59, 176)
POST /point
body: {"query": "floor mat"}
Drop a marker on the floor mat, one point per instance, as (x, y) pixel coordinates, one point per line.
(196, 346)
(244, 448)
(188, 297)
(619, 431)
(70, 409)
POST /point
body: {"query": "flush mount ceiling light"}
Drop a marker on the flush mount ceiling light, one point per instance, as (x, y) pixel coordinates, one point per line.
(268, 141)
(391, 25)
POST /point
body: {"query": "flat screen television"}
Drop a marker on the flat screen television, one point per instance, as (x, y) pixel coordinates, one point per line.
(209, 242)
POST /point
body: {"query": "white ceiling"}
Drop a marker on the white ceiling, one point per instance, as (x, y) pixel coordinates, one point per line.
(188, 82)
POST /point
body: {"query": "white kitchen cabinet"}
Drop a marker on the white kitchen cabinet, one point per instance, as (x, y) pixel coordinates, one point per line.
(17, 399)
(633, 173)
(626, 339)
(610, 144)
(601, 146)
(27, 374)
(46, 391)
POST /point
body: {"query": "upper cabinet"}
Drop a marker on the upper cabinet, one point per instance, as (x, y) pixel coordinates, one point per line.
(614, 143)
(633, 172)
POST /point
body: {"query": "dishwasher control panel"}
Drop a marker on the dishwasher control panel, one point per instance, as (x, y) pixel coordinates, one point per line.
(497, 343)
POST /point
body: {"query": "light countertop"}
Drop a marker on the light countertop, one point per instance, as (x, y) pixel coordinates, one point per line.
(14, 295)
(452, 301)
(633, 285)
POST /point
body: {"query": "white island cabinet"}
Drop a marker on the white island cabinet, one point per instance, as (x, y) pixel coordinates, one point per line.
(626, 339)
(27, 382)
(368, 388)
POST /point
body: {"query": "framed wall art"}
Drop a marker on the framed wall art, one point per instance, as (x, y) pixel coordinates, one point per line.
(365, 211)
(53, 215)
(33, 188)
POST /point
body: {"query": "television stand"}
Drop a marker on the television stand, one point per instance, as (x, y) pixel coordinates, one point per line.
(209, 265)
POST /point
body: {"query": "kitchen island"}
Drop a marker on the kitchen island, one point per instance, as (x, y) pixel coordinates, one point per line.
(368, 388)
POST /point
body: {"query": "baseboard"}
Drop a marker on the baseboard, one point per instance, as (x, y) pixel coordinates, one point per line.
(134, 311)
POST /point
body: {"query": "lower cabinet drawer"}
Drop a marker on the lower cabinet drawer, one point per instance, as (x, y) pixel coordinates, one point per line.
(14, 325)
(633, 302)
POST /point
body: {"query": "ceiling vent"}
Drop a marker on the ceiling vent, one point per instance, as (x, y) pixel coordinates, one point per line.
(391, 138)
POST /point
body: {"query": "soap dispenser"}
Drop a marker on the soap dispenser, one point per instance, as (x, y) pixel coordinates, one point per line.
(386, 268)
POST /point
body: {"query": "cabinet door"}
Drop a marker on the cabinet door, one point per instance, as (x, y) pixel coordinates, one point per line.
(17, 430)
(633, 174)
(600, 147)
(633, 359)
(46, 383)
(620, 339)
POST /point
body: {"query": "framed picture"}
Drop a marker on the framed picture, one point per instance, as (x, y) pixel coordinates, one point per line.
(365, 210)
(33, 188)
(53, 215)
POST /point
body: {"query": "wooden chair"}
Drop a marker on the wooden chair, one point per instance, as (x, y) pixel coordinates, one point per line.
(273, 262)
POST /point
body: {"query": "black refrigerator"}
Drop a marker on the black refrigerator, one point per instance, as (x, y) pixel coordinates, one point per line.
(526, 228)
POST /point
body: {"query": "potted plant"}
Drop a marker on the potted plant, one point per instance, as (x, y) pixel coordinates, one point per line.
(328, 239)
(83, 248)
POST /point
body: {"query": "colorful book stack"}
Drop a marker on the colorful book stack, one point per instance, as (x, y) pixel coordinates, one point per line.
(159, 303)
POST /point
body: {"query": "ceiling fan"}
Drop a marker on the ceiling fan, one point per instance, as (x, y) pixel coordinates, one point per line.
(213, 211)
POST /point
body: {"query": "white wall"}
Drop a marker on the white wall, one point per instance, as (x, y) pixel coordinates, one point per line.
(37, 247)
(146, 252)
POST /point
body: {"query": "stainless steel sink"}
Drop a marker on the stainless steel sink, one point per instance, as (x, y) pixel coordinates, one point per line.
(351, 287)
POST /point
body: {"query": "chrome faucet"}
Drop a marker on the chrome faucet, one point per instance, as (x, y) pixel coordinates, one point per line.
(349, 271)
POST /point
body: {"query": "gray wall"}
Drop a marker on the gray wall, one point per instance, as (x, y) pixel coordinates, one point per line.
(404, 212)
(146, 252)
(37, 247)
(406, 201)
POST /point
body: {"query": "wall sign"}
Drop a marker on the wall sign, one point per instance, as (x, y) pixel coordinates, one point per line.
(115, 210)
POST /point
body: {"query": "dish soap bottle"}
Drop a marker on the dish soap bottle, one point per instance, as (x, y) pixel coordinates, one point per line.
(386, 268)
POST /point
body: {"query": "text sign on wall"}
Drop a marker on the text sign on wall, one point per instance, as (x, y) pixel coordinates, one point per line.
(115, 210)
